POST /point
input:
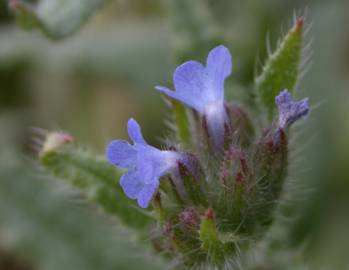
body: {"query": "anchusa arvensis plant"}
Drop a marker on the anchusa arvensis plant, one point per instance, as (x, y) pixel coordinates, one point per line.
(209, 199)
(222, 188)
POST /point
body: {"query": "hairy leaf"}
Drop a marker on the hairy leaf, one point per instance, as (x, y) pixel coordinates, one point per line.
(281, 70)
(97, 179)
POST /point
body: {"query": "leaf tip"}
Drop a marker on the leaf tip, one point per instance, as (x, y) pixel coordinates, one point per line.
(209, 214)
(299, 24)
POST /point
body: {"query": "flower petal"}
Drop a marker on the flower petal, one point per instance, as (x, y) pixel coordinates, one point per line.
(219, 67)
(153, 163)
(135, 188)
(147, 193)
(290, 111)
(198, 86)
(190, 85)
(132, 184)
(134, 131)
(121, 153)
(216, 120)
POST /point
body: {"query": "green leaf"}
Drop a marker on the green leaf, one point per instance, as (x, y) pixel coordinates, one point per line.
(282, 69)
(97, 179)
(182, 122)
(55, 18)
(42, 224)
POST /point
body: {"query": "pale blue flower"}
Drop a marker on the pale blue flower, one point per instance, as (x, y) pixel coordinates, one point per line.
(145, 164)
(202, 89)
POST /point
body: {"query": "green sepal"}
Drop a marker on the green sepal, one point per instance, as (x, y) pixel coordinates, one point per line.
(271, 164)
(282, 69)
(182, 122)
(209, 238)
(97, 179)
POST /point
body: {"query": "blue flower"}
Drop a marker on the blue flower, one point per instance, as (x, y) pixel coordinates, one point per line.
(202, 89)
(289, 110)
(145, 164)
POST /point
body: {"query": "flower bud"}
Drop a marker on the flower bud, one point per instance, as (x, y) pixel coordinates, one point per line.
(192, 179)
(271, 158)
(55, 140)
(189, 219)
(243, 127)
(235, 170)
(270, 162)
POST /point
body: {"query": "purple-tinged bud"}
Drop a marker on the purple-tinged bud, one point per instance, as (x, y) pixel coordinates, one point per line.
(191, 176)
(270, 162)
(271, 155)
(167, 229)
(190, 218)
(243, 127)
(167, 242)
(235, 170)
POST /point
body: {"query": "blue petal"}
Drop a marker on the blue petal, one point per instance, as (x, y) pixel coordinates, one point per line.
(290, 111)
(190, 85)
(215, 122)
(202, 89)
(147, 194)
(153, 163)
(219, 67)
(132, 184)
(198, 86)
(135, 188)
(134, 131)
(121, 153)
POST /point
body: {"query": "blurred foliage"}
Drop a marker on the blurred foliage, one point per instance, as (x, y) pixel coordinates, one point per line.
(98, 181)
(55, 18)
(105, 74)
(49, 228)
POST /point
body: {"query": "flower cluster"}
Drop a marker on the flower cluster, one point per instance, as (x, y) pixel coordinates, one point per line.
(227, 171)
(200, 88)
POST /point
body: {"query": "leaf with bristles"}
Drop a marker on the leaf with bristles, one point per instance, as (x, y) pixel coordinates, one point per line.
(282, 69)
(97, 179)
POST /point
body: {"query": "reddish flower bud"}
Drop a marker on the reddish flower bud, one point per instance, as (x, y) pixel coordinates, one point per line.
(190, 218)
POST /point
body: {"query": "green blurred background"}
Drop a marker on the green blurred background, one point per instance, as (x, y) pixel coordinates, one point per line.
(92, 83)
